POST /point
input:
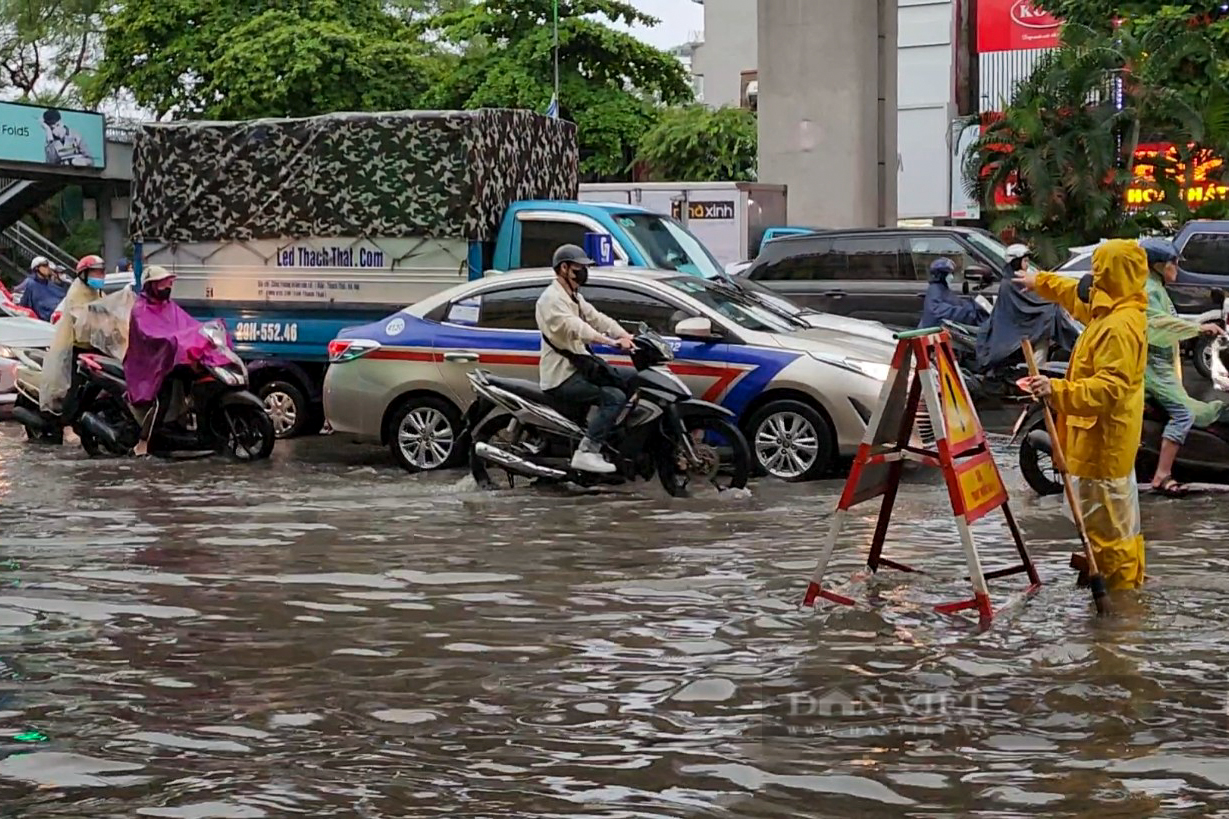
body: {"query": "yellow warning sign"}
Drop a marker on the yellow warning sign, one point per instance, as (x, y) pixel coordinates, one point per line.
(981, 487)
(963, 428)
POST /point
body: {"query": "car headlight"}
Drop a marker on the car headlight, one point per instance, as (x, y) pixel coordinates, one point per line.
(871, 369)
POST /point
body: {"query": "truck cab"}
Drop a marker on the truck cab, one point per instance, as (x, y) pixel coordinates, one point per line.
(532, 230)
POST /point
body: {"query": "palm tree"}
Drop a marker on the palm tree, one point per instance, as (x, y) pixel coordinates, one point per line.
(1059, 145)
(1068, 138)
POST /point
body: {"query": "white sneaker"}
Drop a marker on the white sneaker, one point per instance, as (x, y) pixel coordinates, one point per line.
(591, 462)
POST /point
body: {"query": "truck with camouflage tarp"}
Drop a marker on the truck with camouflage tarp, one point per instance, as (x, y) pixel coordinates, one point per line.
(292, 229)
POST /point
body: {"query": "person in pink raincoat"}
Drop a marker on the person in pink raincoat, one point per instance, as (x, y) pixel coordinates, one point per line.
(165, 347)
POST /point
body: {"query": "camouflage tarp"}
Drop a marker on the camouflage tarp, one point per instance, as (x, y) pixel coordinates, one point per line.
(445, 174)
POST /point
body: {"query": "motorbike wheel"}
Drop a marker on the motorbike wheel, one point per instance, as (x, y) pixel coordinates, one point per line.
(246, 432)
(1038, 469)
(1201, 356)
(710, 436)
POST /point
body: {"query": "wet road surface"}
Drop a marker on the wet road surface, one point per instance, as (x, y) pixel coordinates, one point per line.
(323, 636)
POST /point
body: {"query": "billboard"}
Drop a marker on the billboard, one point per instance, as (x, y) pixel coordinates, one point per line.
(52, 136)
(1014, 25)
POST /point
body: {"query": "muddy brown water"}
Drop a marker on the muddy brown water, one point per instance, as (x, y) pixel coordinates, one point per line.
(322, 636)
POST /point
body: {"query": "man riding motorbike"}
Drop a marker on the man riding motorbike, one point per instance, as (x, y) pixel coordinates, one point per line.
(164, 346)
(1019, 314)
(43, 289)
(1163, 376)
(942, 304)
(90, 323)
(569, 372)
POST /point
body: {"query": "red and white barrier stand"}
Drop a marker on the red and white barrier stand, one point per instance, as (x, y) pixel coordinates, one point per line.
(924, 367)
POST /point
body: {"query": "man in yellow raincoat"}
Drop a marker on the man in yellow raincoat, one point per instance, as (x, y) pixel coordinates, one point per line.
(1100, 403)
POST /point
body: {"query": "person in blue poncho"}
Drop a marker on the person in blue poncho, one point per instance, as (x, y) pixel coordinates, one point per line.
(942, 304)
(43, 290)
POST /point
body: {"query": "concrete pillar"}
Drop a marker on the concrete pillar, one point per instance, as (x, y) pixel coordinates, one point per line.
(114, 227)
(827, 108)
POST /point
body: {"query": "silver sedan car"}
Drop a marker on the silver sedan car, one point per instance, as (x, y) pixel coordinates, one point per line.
(802, 394)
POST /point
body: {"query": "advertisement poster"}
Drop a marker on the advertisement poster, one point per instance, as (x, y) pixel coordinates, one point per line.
(52, 136)
(1014, 25)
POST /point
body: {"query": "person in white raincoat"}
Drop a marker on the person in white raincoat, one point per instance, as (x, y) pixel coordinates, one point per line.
(89, 322)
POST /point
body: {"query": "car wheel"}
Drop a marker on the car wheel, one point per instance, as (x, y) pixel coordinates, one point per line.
(1202, 356)
(791, 441)
(288, 408)
(424, 435)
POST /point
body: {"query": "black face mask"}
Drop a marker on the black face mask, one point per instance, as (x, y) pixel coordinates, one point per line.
(1084, 290)
(581, 275)
(158, 293)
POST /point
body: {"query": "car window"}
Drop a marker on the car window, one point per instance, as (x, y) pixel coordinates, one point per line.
(802, 261)
(630, 307)
(511, 308)
(1081, 263)
(1207, 253)
(870, 257)
(540, 238)
(926, 250)
(736, 306)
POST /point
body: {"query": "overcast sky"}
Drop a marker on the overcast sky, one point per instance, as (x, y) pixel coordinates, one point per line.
(678, 19)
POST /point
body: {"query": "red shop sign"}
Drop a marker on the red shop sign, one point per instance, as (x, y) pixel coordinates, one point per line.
(1013, 25)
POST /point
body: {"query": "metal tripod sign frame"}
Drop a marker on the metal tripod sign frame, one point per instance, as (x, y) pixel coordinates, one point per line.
(924, 368)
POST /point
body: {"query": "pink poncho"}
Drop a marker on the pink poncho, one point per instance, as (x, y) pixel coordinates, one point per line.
(161, 336)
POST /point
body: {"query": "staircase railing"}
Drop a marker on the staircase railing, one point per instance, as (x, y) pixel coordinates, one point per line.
(29, 243)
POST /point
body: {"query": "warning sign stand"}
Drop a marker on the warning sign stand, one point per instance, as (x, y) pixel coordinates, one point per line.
(924, 367)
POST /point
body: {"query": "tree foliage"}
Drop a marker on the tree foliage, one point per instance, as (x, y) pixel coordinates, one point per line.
(236, 58)
(694, 143)
(1062, 154)
(1069, 134)
(610, 83)
(47, 48)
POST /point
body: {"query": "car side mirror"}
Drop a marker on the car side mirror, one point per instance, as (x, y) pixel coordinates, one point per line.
(697, 328)
(1218, 295)
(979, 274)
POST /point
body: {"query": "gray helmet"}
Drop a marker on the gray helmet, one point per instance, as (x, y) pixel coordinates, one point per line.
(570, 253)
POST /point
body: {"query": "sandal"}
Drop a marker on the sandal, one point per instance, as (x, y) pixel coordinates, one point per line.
(1170, 488)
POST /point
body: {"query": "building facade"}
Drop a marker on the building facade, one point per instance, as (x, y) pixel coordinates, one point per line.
(953, 58)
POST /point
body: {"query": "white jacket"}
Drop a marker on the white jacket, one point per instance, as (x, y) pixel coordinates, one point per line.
(570, 323)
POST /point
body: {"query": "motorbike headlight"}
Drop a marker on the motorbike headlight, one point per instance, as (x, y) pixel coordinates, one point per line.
(871, 369)
(227, 377)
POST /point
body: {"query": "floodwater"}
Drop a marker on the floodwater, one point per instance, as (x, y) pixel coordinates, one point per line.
(323, 636)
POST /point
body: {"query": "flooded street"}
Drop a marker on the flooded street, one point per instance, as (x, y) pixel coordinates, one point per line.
(324, 636)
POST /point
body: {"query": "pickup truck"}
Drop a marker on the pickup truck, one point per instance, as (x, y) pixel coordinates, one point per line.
(291, 230)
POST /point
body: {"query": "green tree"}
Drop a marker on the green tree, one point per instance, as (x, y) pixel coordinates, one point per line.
(695, 143)
(238, 58)
(47, 48)
(1063, 154)
(611, 83)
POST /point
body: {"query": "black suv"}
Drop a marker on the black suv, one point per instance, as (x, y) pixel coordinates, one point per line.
(874, 273)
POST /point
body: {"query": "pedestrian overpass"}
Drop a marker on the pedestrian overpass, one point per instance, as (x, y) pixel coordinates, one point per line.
(24, 186)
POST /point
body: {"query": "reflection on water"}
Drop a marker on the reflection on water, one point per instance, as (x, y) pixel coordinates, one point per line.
(322, 636)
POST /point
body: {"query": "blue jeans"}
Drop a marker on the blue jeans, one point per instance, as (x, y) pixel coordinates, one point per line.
(1181, 420)
(609, 401)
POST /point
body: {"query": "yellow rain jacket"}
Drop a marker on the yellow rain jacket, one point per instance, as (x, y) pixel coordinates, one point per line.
(1101, 403)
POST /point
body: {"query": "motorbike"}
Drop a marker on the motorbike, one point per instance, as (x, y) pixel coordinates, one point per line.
(221, 414)
(998, 384)
(1204, 457)
(663, 429)
(46, 427)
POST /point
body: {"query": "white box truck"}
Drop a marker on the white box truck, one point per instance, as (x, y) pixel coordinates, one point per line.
(728, 217)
